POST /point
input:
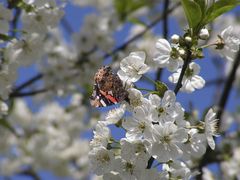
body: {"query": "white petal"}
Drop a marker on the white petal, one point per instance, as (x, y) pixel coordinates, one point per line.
(168, 98)
(174, 78)
(173, 65)
(211, 142)
(140, 55)
(198, 82)
(195, 67)
(163, 46)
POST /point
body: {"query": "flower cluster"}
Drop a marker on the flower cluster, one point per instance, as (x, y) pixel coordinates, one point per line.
(156, 128)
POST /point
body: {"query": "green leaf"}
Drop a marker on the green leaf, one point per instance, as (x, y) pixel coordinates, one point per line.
(161, 88)
(137, 21)
(218, 8)
(202, 4)
(125, 7)
(28, 8)
(193, 12)
(5, 37)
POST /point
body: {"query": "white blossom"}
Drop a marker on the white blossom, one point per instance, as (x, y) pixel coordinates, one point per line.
(131, 168)
(27, 50)
(195, 145)
(5, 17)
(115, 115)
(178, 170)
(130, 150)
(191, 79)
(231, 43)
(136, 98)
(133, 66)
(211, 127)
(101, 160)
(139, 125)
(165, 109)
(42, 19)
(101, 135)
(164, 57)
(166, 141)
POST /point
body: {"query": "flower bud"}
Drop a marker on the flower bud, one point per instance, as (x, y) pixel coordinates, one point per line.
(175, 39)
(204, 34)
(188, 39)
(181, 52)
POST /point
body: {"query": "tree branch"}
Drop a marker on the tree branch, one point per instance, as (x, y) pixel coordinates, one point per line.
(67, 26)
(217, 81)
(24, 94)
(27, 83)
(227, 88)
(31, 173)
(184, 68)
(137, 36)
(15, 21)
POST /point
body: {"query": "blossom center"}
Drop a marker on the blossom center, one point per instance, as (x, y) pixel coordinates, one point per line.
(141, 126)
(166, 139)
(136, 102)
(104, 158)
(129, 167)
(189, 72)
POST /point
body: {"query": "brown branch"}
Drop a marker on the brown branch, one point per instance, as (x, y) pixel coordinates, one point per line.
(184, 68)
(217, 81)
(137, 36)
(227, 88)
(24, 94)
(31, 173)
(28, 82)
(15, 21)
(67, 26)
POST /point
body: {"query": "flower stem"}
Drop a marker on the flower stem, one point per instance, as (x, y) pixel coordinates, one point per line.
(184, 68)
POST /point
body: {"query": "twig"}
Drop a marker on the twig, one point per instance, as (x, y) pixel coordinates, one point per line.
(67, 26)
(27, 83)
(227, 88)
(15, 21)
(31, 173)
(31, 93)
(137, 36)
(217, 81)
(184, 68)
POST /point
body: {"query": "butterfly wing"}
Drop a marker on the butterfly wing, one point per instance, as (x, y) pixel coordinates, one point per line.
(100, 98)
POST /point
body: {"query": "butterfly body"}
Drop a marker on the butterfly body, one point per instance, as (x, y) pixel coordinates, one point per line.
(108, 88)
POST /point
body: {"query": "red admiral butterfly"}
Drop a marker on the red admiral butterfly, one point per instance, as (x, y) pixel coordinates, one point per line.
(108, 88)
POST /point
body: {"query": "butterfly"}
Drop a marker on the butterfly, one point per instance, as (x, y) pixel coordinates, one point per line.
(108, 88)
